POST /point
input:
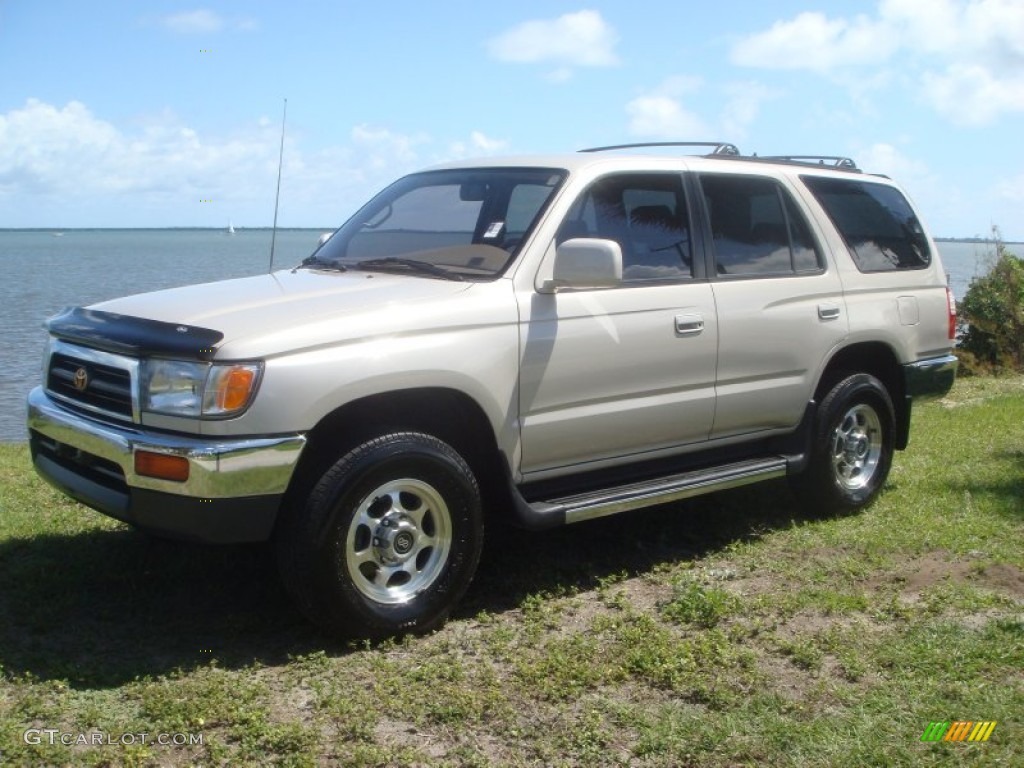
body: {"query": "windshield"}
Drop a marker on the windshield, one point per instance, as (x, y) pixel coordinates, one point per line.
(464, 224)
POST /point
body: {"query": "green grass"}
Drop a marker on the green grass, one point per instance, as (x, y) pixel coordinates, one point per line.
(729, 630)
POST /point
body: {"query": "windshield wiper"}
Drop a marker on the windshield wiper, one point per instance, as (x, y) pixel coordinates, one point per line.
(315, 262)
(419, 266)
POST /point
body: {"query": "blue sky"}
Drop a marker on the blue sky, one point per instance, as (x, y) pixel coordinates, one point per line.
(152, 113)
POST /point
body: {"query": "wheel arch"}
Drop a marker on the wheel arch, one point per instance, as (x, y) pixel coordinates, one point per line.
(448, 414)
(879, 360)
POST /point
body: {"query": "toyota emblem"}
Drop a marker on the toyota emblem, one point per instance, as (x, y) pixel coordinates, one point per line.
(81, 379)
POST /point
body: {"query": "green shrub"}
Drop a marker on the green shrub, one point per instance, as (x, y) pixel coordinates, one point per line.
(991, 316)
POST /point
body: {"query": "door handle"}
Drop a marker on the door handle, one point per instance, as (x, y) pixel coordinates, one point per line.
(828, 311)
(689, 325)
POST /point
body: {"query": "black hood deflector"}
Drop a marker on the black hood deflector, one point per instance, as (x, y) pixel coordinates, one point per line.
(134, 336)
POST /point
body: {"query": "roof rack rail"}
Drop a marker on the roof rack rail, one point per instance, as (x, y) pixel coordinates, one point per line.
(833, 161)
(719, 147)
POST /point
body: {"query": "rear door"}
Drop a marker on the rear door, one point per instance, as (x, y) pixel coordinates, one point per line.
(781, 310)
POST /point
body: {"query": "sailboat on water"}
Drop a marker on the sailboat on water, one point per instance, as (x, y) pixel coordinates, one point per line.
(231, 229)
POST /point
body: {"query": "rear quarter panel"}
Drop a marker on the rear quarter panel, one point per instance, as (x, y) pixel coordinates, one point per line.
(906, 309)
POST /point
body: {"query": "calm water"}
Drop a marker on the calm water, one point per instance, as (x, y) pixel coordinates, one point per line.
(44, 273)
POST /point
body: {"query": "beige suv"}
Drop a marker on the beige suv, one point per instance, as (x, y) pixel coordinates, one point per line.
(544, 339)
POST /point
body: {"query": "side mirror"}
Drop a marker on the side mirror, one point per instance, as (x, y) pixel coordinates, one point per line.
(586, 262)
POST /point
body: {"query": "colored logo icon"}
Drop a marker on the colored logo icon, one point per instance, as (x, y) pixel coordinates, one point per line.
(960, 730)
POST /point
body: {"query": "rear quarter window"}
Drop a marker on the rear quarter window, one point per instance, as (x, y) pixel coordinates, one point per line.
(881, 231)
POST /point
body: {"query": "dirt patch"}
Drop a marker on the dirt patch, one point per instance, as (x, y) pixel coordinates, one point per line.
(1001, 577)
(812, 623)
(402, 734)
(915, 576)
(926, 571)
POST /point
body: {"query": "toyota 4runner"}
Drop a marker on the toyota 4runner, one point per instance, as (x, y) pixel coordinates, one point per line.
(547, 338)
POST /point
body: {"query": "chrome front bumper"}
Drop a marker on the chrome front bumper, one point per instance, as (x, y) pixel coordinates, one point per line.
(232, 492)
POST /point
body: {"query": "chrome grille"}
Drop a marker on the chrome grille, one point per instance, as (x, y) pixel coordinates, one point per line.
(92, 380)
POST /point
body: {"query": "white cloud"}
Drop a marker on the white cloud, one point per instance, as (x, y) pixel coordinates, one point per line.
(984, 75)
(662, 117)
(65, 164)
(478, 144)
(43, 149)
(963, 57)
(199, 22)
(933, 25)
(660, 114)
(743, 107)
(970, 94)
(813, 41)
(382, 148)
(989, 32)
(581, 39)
(889, 160)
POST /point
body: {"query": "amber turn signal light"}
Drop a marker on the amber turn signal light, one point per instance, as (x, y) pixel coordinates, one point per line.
(161, 465)
(234, 387)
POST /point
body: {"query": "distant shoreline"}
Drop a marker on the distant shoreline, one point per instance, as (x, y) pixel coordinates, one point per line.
(978, 240)
(50, 230)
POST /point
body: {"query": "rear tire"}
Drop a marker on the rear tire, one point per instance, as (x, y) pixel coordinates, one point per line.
(387, 541)
(852, 447)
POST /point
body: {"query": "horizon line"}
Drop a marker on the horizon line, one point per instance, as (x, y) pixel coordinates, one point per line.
(973, 239)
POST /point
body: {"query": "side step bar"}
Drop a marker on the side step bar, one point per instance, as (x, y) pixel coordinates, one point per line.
(611, 501)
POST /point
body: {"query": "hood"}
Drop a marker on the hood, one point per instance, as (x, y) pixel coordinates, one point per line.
(285, 311)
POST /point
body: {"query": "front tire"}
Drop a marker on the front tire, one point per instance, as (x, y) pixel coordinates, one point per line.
(388, 539)
(852, 447)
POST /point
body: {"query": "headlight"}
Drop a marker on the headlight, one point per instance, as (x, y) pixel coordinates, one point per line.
(180, 388)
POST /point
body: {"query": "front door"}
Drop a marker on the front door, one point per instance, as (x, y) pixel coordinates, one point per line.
(620, 372)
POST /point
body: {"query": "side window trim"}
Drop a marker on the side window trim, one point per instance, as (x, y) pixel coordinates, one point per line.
(790, 205)
(703, 246)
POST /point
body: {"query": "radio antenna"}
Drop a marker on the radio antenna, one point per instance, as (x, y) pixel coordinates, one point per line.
(277, 197)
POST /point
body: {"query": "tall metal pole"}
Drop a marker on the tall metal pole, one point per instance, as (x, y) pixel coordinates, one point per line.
(277, 197)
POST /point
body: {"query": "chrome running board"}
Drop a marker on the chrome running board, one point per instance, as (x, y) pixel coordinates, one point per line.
(611, 501)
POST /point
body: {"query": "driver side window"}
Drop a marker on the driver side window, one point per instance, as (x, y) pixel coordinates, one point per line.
(646, 215)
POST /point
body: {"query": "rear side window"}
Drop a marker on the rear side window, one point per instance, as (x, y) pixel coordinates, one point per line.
(876, 221)
(756, 228)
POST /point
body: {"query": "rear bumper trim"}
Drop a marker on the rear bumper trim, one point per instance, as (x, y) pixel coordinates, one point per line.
(931, 378)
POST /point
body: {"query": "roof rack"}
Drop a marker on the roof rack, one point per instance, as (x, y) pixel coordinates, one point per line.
(719, 147)
(832, 161)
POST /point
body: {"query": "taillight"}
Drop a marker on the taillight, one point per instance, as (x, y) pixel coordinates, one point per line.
(951, 307)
